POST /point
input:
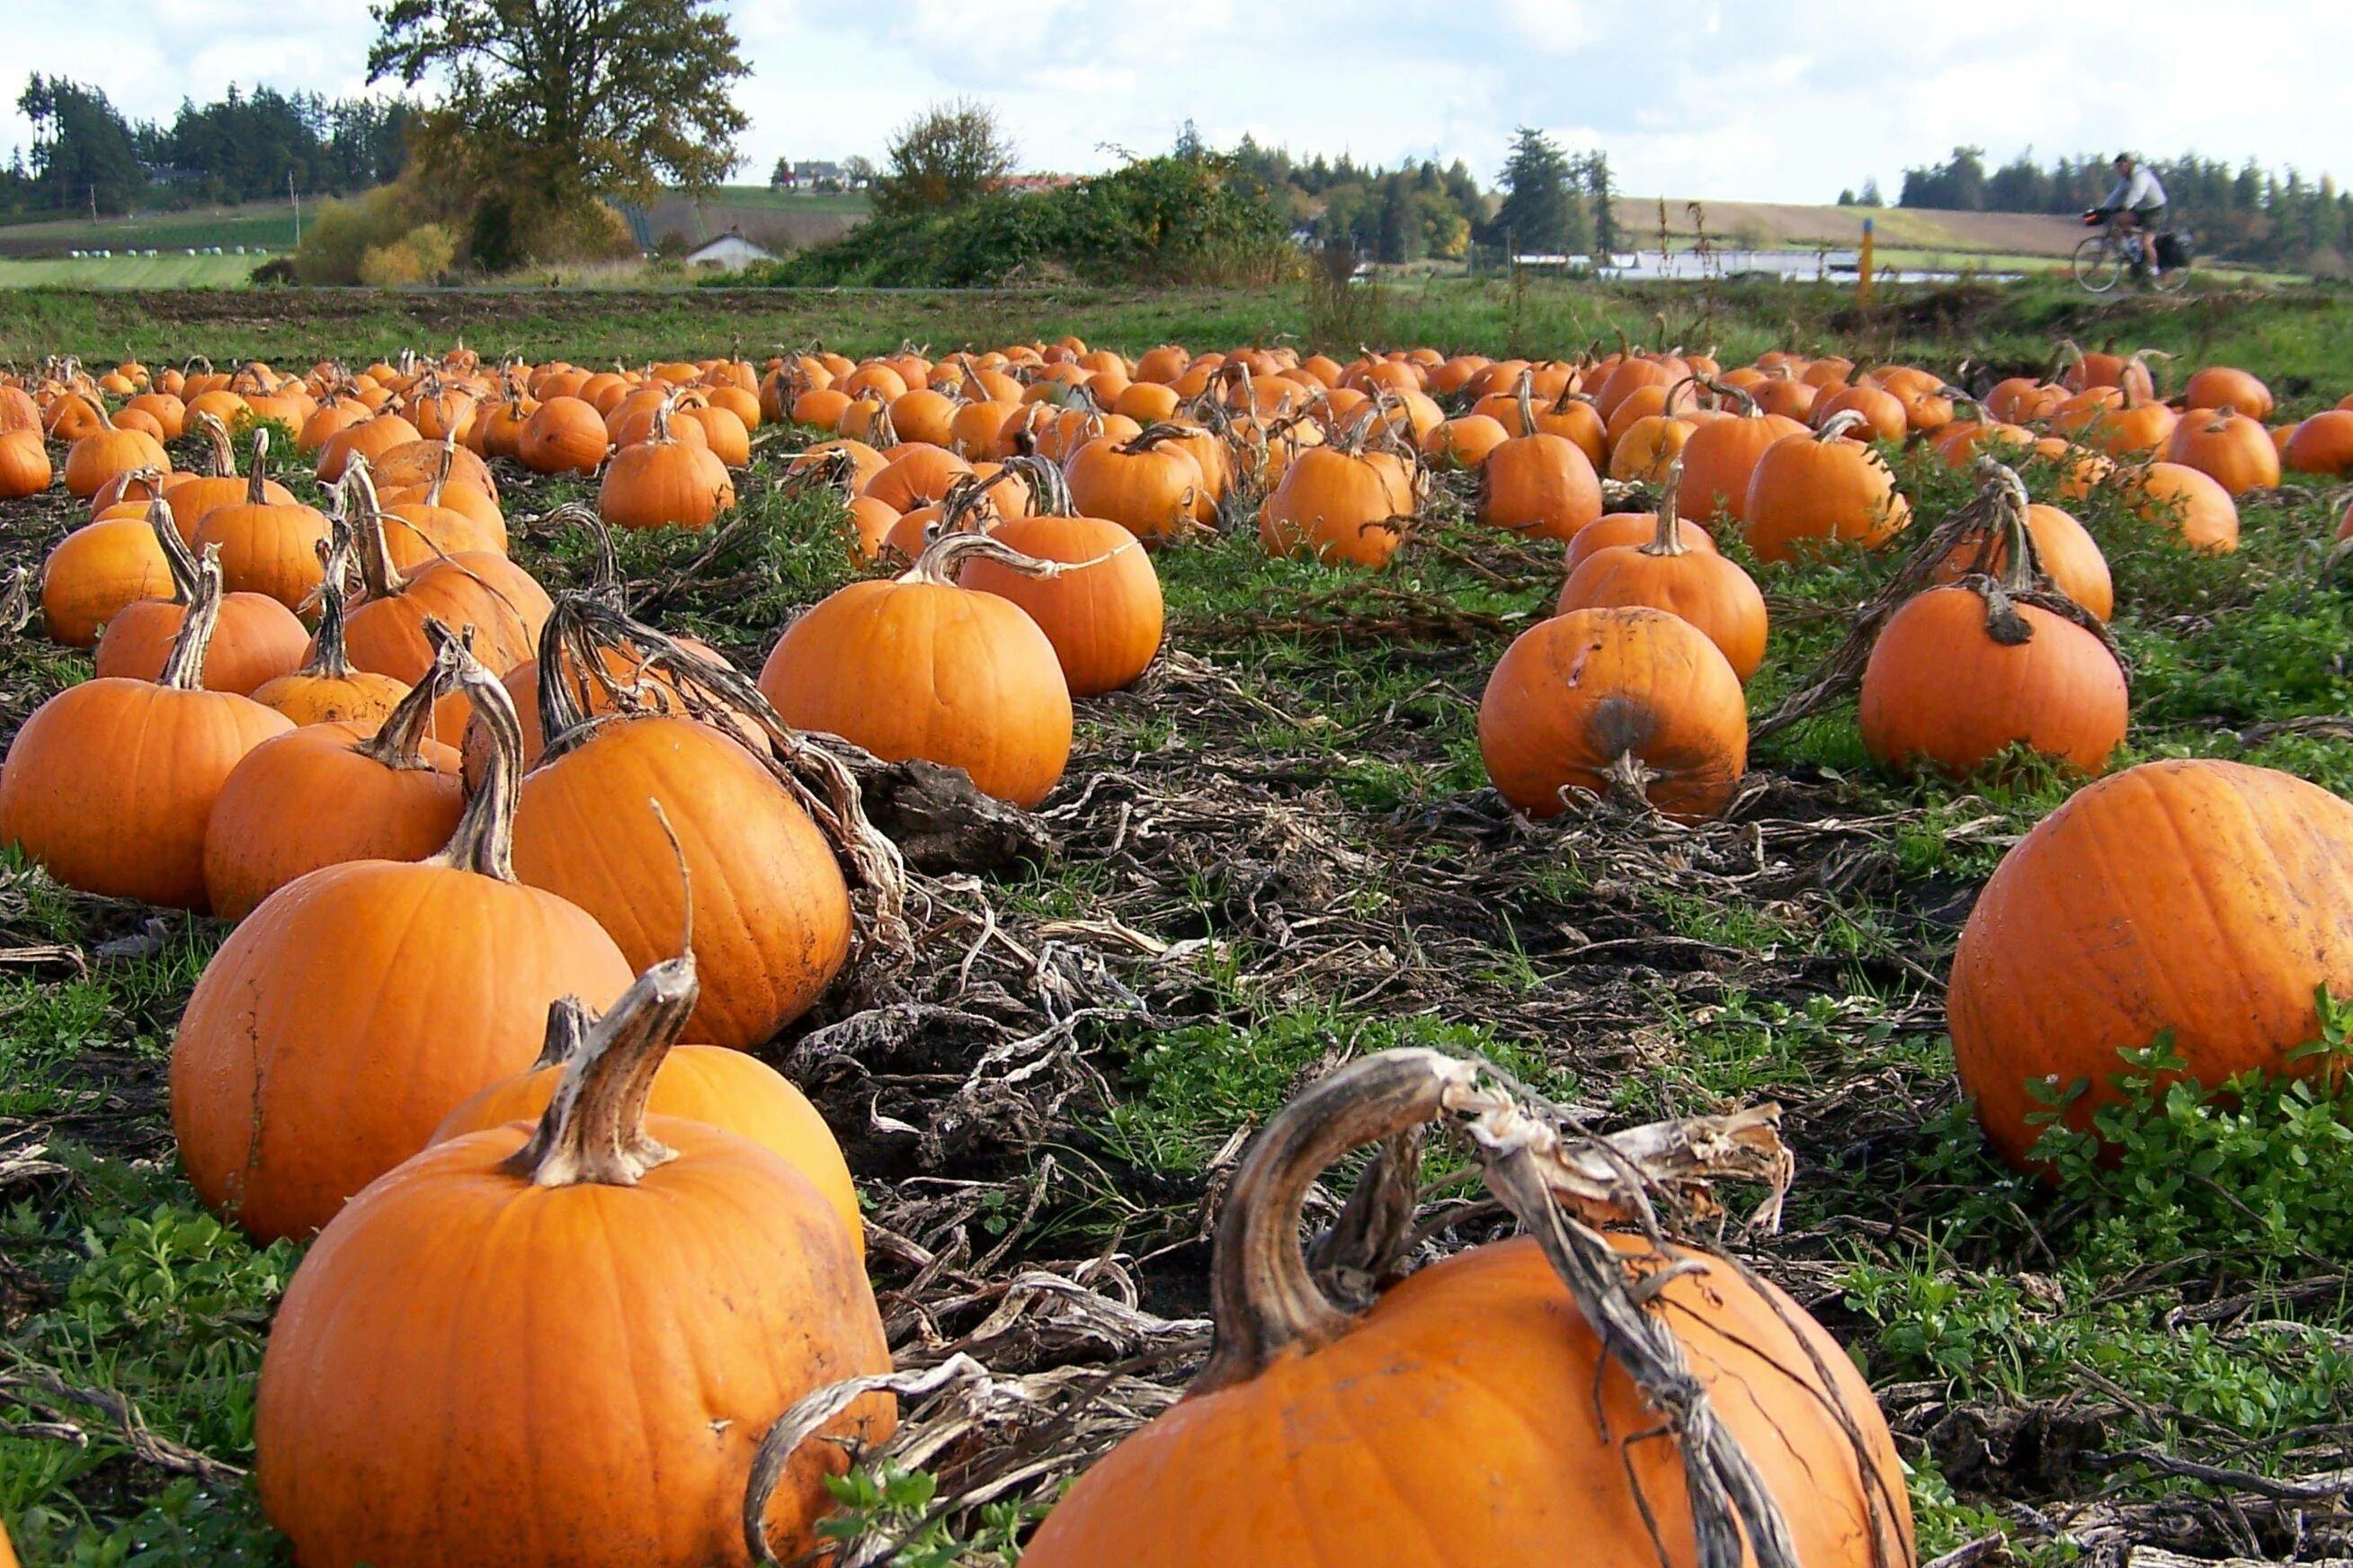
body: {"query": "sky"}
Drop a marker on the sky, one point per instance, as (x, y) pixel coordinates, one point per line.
(1717, 99)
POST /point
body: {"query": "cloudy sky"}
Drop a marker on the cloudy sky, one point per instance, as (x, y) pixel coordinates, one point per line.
(1715, 99)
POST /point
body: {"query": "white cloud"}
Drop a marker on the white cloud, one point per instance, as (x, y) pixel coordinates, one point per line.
(1785, 102)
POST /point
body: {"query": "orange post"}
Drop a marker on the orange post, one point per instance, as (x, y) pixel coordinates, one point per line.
(1862, 267)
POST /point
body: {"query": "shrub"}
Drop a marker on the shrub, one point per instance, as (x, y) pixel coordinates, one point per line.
(422, 254)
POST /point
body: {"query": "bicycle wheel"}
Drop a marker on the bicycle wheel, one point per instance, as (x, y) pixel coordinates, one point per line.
(2096, 266)
(2172, 280)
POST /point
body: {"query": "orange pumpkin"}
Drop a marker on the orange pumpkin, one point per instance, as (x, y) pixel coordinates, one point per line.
(917, 668)
(1700, 585)
(2248, 867)
(326, 689)
(108, 784)
(2191, 504)
(2221, 386)
(1150, 484)
(1823, 489)
(664, 482)
(266, 546)
(97, 570)
(1104, 612)
(328, 794)
(1626, 692)
(1340, 504)
(2234, 451)
(1721, 458)
(256, 641)
(2322, 445)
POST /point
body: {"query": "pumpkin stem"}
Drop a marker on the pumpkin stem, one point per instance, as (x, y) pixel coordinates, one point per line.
(176, 557)
(1524, 391)
(1560, 1183)
(380, 576)
(222, 450)
(1050, 490)
(483, 842)
(946, 555)
(595, 1128)
(399, 741)
(1839, 424)
(183, 671)
(256, 479)
(328, 658)
(1669, 538)
(569, 1021)
(1745, 406)
(441, 465)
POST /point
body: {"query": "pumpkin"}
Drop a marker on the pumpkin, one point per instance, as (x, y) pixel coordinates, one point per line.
(2221, 386)
(108, 784)
(1630, 693)
(730, 1089)
(2191, 504)
(1103, 612)
(1341, 503)
(1700, 585)
(664, 482)
(500, 603)
(1627, 528)
(2135, 427)
(1540, 484)
(2234, 451)
(2079, 372)
(257, 639)
(1821, 488)
(2322, 445)
(193, 497)
(917, 668)
(2068, 552)
(24, 465)
(326, 689)
(95, 572)
(326, 1039)
(563, 435)
(418, 1327)
(110, 450)
(1464, 442)
(370, 439)
(1721, 456)
(1884, 417)
(2023, 400)
(1438, 1425)
(327, 794)
(774, 923)
(1962, 673)
(1650, 447)
(422, 530)
(2249, 868)
(1150, 484)
(266, 546)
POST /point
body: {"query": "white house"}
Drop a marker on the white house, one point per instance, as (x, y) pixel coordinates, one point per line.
(727, 252)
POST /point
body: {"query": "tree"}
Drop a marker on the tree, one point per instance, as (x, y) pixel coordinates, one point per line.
(858, 168)
(83, 153)
(1846, 197)
(1539, 214)
(553, 106)
(1603, 200)
(1870, 196)
(782, 174)
(944, 157)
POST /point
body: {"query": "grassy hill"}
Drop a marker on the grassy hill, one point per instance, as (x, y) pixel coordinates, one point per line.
(269, 226)
(1782, 227)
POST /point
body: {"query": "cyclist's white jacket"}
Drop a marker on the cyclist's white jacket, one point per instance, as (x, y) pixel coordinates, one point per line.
(2136, 191)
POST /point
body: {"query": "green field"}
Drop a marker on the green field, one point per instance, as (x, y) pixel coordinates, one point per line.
(168, 270)
(267, 225)
(1279, 852)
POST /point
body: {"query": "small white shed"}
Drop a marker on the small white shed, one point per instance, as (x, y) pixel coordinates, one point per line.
(727, 252)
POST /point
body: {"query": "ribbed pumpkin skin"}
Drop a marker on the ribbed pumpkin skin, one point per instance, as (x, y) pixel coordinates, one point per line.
(2190, 503)
(771, 916)
(444, 1388)
(2077, 947)
(97, 570)
(656, 484)
(1824, 491)
(354, 1010)
(725, 1088)
(2069, 555)
(311, 798)
(1573, 693)
(1104, 620)
(24, 464)
(1701, 586)
(1337, 507)
(1438, 1430)
(362, 696)
(1630, 527)
(109, 784)
(563, 435)
(503, 603)
(256, 641)
(1541, 485)
(1940, 692)
(266, 548)
(918, 669)
(1154, 494)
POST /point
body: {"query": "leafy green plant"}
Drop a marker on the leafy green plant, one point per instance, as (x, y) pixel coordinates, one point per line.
(891, 1503)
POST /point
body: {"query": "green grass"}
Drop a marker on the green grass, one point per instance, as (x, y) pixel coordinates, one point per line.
(168, 270)
(269, 224)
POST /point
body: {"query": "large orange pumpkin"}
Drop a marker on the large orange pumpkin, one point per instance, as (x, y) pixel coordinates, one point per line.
(2249, 869)
(1822, 490)
(1151, 484)
(1437, 1427)
(108, 786)
(1722, 454)
(443, 1314)
(664, 482)
(772, 915)
(95, 571)
(916, 667)
(1594, 696)
(2191, 503)
(1540, 484)
(2322, 445)
(1340, 503)
(361, 1004)
(266, 546)
(1104, 612)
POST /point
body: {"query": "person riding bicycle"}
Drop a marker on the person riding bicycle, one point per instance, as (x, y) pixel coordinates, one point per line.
(2137, 203)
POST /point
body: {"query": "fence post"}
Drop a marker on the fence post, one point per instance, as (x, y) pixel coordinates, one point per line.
(1863, 269)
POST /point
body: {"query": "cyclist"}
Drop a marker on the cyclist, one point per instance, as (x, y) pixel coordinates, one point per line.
(2137, 202)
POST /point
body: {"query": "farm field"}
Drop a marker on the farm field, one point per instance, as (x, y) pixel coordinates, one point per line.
(1279, 851)
(267, 225)
(169, 270)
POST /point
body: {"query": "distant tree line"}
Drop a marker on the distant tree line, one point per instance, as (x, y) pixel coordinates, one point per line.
(2247, 213)
(1549, 202)
(86, 155)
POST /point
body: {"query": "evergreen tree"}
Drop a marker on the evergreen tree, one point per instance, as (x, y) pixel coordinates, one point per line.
(1539, 216)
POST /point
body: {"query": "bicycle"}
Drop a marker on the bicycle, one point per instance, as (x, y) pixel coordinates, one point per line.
(2104, 259)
